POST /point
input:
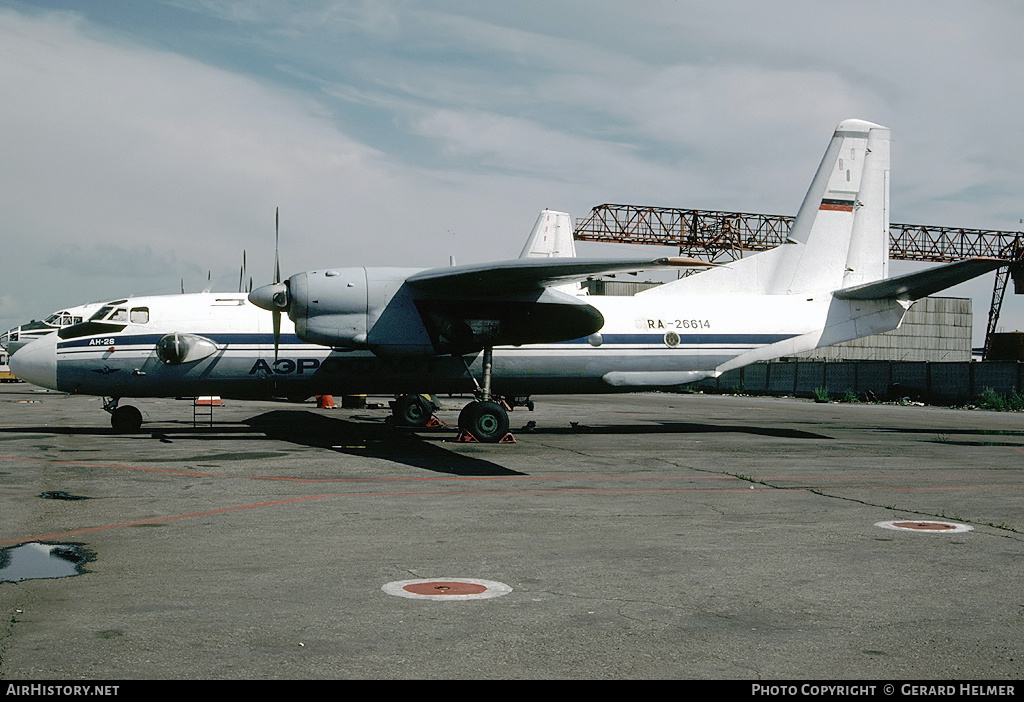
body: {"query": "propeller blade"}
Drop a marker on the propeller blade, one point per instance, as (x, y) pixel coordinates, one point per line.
(241, 274)
(277, 332)
(277, 276)
(274, 297)
(277, 241)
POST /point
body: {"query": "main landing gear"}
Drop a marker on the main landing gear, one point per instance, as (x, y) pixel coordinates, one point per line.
(124, 420)
(485, 419)
(413, 410)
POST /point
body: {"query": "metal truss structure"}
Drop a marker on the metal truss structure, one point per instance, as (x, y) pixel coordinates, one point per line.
(717, 236)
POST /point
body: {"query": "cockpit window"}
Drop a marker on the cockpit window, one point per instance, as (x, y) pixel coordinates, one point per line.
(101, 314)
(62, 319)
(140, 315)
(111, 314)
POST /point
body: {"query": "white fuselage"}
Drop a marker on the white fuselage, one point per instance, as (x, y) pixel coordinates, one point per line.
(646, 341)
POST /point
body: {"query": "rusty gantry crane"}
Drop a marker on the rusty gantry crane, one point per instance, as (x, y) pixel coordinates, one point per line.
(718, 236)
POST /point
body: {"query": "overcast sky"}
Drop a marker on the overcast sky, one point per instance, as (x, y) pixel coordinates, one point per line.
(142, 143)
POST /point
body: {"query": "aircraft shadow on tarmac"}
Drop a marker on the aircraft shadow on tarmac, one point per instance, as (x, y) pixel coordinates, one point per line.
(371, 439)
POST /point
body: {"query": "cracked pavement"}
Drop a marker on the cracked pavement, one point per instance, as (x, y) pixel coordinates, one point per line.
(643, 536)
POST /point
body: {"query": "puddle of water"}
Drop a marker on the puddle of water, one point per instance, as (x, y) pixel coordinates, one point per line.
(34, 560)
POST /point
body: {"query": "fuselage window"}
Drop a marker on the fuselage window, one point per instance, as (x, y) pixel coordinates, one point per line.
(140, 315)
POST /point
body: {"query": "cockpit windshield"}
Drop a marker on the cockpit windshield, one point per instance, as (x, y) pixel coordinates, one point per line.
(101, 313)
(114, 313)
(62, 319)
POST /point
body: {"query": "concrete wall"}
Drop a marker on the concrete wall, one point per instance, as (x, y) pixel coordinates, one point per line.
(934, 329)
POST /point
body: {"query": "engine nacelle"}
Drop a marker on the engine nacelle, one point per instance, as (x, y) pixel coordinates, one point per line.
(329, 307)
(342, 306)
(175, 348)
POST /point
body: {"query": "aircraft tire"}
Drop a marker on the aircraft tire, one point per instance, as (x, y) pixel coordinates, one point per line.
(126, 419)
(412, 411)
(486, 421)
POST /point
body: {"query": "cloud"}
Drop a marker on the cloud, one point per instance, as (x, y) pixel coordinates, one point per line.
(111, 261)
(397, 133)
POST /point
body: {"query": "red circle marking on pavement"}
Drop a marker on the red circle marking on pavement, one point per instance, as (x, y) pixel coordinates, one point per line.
(925, 526)
(445, 587)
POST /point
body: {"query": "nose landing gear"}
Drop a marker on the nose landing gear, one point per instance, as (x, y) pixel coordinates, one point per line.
(123, 420)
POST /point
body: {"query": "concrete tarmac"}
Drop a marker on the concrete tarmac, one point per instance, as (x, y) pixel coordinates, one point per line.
(642, 536)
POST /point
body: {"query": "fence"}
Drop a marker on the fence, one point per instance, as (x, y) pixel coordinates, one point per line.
(934, 381)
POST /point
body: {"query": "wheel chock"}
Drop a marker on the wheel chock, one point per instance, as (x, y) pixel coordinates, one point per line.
(466, 437)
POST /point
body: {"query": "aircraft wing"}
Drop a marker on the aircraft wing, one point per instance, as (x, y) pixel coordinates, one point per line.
(516, 302)
(527, 275)
(914, 286)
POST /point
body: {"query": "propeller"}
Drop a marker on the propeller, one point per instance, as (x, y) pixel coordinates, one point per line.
(274, 297)
(241, 274)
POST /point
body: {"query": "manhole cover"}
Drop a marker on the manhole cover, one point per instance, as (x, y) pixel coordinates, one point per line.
(925, 526)
(447, 589)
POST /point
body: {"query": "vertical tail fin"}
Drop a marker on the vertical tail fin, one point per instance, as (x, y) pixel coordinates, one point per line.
(840, 236)
(551, 237)
(842, 228)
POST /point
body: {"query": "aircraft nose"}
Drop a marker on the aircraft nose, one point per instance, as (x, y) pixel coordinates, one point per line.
(36, 362)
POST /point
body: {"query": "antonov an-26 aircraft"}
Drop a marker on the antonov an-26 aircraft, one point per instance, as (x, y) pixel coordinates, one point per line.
(512, 328)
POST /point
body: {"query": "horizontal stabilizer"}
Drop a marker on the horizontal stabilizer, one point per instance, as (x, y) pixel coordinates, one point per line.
(914, 286)
(527, 274)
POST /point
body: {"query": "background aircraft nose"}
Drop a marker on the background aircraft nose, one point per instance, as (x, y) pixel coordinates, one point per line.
(36, 362)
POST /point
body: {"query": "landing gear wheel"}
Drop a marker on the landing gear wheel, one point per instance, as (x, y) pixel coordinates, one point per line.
(412, 411)
(486, 421)
(125, 420)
